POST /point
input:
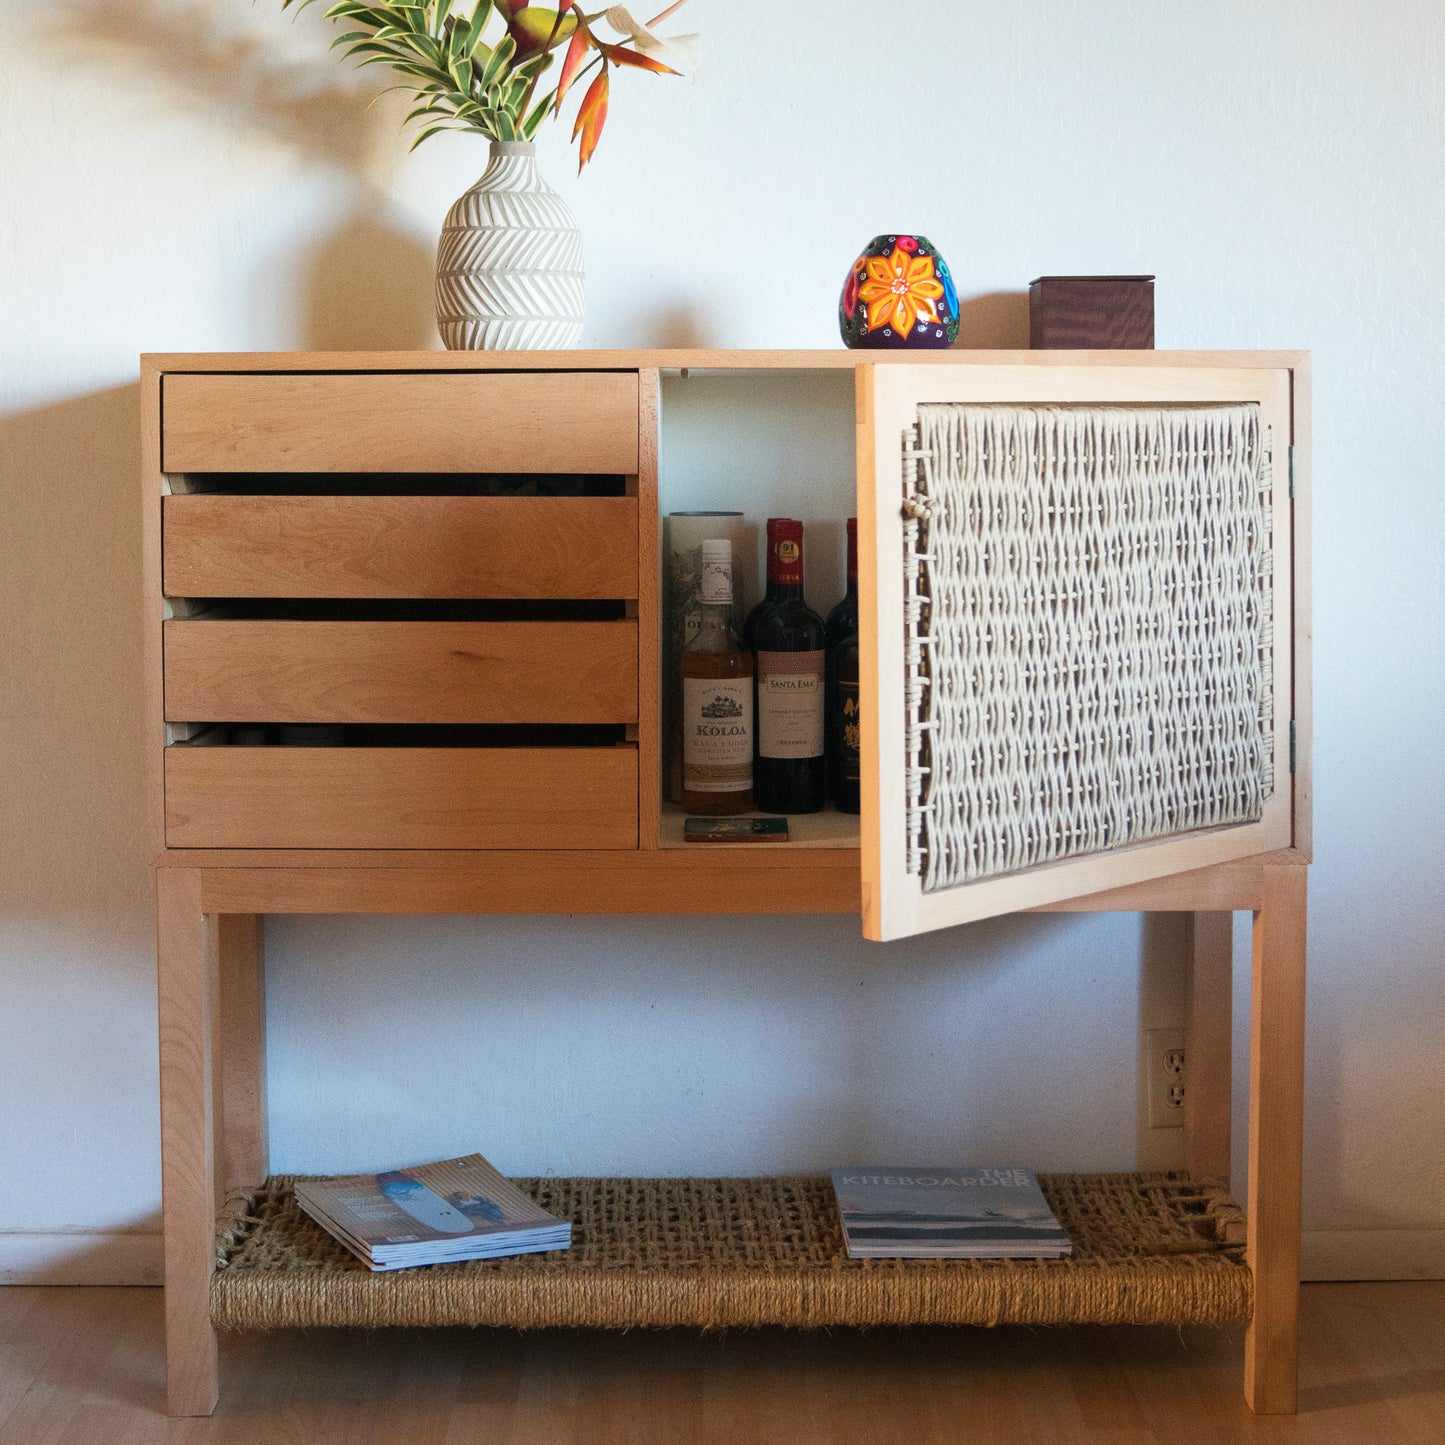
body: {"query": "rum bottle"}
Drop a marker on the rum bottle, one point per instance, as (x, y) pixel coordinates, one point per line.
(717, 698)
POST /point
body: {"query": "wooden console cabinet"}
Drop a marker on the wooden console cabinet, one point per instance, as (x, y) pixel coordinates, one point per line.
(454, 559)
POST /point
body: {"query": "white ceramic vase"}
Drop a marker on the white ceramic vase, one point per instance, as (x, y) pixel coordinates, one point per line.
(509, 262)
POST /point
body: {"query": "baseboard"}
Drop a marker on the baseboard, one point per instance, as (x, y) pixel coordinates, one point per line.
(80, 1256)
(1339, 1254)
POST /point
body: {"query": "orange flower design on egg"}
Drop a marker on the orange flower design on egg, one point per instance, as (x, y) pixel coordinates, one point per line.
(900, 290)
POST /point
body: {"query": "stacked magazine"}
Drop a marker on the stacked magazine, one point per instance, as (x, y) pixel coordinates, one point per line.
(910, 1212)
(431, 1214)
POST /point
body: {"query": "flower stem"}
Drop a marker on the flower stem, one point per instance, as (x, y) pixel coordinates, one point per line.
(658, 19)
(526, 105)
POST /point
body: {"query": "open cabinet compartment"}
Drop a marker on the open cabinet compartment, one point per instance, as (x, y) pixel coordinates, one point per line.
(1207, 518)
(758, 443)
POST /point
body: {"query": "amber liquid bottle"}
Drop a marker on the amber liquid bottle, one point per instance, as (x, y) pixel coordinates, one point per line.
(786, 636)
(717, 699)
(841, 703)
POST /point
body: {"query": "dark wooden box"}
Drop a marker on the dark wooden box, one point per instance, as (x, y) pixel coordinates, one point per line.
(1106, 313)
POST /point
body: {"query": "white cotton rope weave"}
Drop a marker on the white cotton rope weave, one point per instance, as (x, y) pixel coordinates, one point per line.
(1088, 630)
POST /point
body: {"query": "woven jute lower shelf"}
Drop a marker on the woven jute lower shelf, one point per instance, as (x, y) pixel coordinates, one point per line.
(1148, 1249)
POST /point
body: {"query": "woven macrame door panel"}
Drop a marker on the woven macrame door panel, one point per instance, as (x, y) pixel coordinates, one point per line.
(1088, 630)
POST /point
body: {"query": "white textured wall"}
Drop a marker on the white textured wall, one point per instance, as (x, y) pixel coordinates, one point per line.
(198, 174)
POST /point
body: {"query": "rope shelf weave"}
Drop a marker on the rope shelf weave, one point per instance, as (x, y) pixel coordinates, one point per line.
(1148, 1249)
(1088, 630)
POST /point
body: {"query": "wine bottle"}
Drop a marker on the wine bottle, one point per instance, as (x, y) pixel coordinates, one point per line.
(841, 703)
(717, 698)
(789, 771)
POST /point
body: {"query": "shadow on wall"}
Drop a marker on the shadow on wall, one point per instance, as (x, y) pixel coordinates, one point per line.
(865, 1120)
(72, 796)
(998, 321)
(1164, 977)
(368, 283)
(394, 310)
(679, 325)
(208, 70)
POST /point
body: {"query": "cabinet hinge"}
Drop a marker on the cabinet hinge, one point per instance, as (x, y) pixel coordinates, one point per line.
(1291, 469)
(1293, 743)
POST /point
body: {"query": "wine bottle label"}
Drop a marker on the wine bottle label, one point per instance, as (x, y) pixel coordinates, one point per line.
(785, 552)
(717, 734)
(849, 755)
(790, 704)
(715, 585)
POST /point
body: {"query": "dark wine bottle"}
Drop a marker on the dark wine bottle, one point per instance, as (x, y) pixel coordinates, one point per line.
(841, 696)
(786, 635)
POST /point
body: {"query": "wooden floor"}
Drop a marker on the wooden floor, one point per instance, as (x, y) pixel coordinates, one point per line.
(84, 1367)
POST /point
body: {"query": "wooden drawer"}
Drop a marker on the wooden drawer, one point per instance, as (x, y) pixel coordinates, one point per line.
(407, 422)
(477, 547)
(239, 797)
(401, 672)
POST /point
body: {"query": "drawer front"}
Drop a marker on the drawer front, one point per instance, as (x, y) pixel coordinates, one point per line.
(418, 422)
(401, 672)
(238, 797)
(468, 547)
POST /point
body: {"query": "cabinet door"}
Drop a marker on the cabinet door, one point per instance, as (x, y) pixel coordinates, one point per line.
(1075, 591)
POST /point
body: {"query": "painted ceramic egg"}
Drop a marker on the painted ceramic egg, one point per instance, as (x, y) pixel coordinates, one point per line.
(899, 294)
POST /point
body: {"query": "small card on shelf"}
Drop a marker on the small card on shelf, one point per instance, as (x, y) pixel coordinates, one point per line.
(735, 830)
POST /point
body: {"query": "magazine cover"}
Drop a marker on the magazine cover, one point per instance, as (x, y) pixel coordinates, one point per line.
(454, 1202)
(923, 1212)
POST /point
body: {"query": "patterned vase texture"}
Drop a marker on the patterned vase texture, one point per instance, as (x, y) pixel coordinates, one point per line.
(899, 295)
(509, 262)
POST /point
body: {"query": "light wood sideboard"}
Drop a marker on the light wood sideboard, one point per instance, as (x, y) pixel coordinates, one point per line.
(454, 558)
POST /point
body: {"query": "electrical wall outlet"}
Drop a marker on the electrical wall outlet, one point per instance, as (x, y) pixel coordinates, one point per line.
(1164, 1062)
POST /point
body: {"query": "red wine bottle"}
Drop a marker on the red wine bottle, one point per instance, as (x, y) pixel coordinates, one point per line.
(841, 696)
(786, 635)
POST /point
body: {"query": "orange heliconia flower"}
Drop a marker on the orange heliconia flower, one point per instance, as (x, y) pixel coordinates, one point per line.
(900, 290)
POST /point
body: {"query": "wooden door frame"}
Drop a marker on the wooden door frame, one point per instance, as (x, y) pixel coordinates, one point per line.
(888, 396)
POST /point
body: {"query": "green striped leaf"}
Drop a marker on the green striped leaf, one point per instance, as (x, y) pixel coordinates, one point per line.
(427, 48)
(430, 131)
(533, 122)
(501, 57)
(480, 16)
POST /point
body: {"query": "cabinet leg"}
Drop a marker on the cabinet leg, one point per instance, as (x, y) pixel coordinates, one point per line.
(185, 993)
(241, 1063)
(1208, 1047)
(1276, 1140)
